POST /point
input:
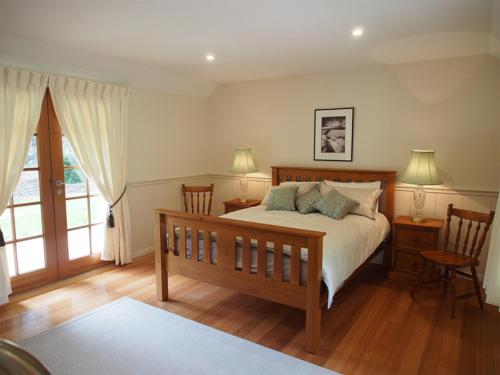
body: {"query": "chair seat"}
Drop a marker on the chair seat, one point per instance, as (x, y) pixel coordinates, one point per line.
(448, 258)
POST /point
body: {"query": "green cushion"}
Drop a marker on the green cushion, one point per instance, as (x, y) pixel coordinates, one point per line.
(305, 202)
(282, 199)
(335, 205)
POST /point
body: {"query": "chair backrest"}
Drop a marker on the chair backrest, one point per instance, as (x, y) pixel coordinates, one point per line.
(193, 193)
(479, 221)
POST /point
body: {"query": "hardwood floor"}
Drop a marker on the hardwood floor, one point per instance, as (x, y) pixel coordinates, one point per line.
(374, 327)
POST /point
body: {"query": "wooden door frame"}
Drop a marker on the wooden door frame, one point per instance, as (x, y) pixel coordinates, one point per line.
(50, 273)
(66, 266)
(54, 222)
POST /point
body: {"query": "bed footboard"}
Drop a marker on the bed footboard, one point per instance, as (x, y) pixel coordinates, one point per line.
(220, 268)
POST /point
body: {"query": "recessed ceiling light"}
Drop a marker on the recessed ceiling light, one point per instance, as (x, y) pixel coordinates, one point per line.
(209, 57)
(357, 31)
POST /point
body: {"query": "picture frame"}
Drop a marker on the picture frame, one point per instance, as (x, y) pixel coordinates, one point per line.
(333, 134)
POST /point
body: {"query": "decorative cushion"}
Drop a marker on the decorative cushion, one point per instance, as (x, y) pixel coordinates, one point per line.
(282, 199)
(305, 202)
(304, 187)
(335, 205)
(367, 199)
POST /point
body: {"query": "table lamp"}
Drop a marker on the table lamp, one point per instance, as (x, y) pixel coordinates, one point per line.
(243, 163)
(421, 171)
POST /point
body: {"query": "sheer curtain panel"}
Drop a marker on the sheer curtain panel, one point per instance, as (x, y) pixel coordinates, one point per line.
(492, 274)
(21, 97)
(93, 117)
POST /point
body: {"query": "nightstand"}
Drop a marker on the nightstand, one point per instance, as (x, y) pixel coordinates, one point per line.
(408, 239)
(235, 204)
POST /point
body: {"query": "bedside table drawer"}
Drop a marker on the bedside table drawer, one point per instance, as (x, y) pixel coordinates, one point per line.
(416, 239)
(408, 261)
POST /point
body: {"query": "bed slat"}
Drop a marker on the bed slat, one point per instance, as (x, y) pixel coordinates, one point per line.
(278, 260)
(182, 242)
(295, 266)
(171, 238)
(261, 258)
(245, 261)
(194, 243)
(207, 253)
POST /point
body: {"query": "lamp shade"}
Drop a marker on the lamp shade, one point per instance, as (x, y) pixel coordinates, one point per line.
(243, 161)
(422, 169)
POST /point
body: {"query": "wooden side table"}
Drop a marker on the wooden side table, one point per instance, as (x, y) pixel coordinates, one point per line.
(408, 239)
(235, 204)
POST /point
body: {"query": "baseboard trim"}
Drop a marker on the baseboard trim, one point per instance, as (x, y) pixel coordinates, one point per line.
(142, 252)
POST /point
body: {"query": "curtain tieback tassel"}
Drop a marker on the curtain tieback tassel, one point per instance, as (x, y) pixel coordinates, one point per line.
(111, 218)
(2, 239)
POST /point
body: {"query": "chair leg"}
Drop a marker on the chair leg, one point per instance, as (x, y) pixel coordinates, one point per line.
(419, 278)
(453, 292)
(477, 286)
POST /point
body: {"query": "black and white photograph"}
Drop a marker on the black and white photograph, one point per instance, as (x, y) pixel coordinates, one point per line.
(333, 134)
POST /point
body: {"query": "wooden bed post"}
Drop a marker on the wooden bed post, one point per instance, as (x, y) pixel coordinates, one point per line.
(313, 304)
(161, 256)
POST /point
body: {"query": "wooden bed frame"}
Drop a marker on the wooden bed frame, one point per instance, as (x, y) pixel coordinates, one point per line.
(311, 297)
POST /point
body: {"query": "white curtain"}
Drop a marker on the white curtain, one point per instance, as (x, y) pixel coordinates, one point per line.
(93, 116)
(21, 96)
(492, 274)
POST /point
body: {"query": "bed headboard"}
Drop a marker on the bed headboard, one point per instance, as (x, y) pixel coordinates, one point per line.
(386, 205)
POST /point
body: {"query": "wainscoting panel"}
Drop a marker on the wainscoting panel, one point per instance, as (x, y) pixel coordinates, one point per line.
(437, 200)
(144, 197)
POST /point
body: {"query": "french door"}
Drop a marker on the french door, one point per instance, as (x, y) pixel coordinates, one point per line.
(54, 222)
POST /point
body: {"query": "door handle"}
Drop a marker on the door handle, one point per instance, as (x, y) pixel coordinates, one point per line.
(59, 183)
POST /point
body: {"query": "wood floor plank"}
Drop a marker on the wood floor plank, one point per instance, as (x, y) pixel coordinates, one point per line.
(373, 328)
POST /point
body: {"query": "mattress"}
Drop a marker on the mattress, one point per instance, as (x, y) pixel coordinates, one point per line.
(346, 245)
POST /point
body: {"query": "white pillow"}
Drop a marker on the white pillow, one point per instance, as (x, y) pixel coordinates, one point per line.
(367, 198)
(304, 187)
(355, 185)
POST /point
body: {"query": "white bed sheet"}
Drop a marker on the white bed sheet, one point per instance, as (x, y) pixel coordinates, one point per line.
(346, 245)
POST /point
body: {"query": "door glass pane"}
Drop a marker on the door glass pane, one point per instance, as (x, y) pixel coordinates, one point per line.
(6, 225)
(32, 158)
(75, 182)
(93, 189)
(28, 188)
(30, 255)
(78, 243)
(77, 213)
(28, 221)
(98, 209)
(68, 154)
(97, 239)
(10, 260)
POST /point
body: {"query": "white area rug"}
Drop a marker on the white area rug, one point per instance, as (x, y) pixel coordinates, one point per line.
(130, 337)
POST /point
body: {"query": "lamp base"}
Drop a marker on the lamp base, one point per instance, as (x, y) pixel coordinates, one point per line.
(419, 202)
(243, 189)
(418, 219)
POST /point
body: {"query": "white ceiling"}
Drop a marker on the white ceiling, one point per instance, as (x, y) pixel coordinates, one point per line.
(254, 39)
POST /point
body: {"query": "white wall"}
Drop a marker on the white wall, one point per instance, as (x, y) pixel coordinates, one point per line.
(447, 105)
(167, 143)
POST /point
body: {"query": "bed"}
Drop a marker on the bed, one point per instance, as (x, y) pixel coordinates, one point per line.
(302, 262)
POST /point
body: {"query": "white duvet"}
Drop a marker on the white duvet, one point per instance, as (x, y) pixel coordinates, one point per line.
(346, 245)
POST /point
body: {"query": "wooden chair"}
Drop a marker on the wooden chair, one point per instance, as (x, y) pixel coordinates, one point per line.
(194, 192)
(460, 256)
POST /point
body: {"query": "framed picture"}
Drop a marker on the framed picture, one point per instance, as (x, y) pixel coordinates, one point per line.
(333, 134)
